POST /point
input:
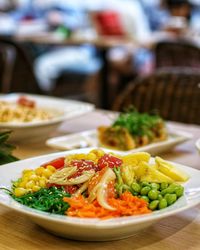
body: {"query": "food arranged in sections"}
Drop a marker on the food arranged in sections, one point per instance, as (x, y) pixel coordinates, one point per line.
(100, 185)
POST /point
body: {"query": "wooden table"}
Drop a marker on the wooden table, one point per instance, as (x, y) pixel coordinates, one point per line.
(178, 232)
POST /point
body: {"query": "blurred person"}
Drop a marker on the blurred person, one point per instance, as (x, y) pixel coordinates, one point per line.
(83, 59)
(155, 13)
(180, 8)
(7, 24)
(185, 10)
(6, 5)
(72, 14)
(127, 58)
(50, 62)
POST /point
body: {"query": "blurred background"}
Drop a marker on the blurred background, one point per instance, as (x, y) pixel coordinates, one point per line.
(92, 50)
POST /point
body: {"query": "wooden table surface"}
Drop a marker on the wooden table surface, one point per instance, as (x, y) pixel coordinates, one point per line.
(178, 232)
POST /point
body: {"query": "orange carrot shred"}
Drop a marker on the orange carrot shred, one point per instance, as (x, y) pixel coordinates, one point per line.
(126, 205)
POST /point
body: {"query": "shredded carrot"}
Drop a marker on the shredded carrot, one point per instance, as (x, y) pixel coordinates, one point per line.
(126, 205)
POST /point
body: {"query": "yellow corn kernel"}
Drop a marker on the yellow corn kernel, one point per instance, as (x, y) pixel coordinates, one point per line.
(43, 178)
(36, 188)
(79, 156)
(28, 173)
(30, 184)
(33, 177)
(25, 178)
(91, 156)
(20, 191)
(47, 173)
(39, 171)
(25, 171)
(98, 152)
(22, 184)
(42, 183)
(51, 168)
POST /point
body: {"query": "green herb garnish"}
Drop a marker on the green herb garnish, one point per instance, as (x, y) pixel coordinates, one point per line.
(138, 124)
(46, 199)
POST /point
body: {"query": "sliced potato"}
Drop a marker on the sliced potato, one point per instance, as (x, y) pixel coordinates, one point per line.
(170, 170)
(135, 158)
(153, 175)
(141, 169)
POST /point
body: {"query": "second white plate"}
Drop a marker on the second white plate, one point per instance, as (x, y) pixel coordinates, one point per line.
(89, 139)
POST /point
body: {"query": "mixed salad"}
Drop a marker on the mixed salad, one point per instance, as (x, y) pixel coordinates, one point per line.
(100, 185)
(132, 129)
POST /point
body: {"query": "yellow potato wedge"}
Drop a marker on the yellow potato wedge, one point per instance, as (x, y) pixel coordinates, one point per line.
(141, 169)
(170, 170)
(154, 175)
(135, 158)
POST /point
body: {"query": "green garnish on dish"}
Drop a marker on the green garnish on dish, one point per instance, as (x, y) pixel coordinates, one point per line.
(133, 129)
(46, 199)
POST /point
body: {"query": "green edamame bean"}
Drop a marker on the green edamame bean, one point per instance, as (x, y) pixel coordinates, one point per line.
(174, 185)
(144, 184)
(166, 195)
(169, 190)
(162, 204)
(171, 198)
(136, 187)
(179, 191)
(163, 185)
(155, 186)
(153, 194)
(153, 205)
(144, 197)
(160, 197)
(145, 190)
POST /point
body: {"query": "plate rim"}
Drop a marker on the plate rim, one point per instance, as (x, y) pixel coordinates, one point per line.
(197, 143)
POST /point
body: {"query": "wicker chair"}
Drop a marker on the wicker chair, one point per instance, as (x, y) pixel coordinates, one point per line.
(174, 93)
(179, 53)
(16, 71)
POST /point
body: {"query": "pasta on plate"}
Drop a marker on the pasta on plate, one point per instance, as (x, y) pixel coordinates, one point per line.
(24, 110)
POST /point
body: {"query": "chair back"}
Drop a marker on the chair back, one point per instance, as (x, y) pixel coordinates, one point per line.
(16, 70)
(174, 93)
(178, 53)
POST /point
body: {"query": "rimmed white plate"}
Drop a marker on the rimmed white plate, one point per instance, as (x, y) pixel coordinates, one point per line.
(91, 229)
(64, 110)
(89, 139)
(198, 145)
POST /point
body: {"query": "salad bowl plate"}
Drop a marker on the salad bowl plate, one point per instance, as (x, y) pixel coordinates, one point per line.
(91, 229)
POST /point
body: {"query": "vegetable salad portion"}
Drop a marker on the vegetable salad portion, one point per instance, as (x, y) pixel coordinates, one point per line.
(100, 185)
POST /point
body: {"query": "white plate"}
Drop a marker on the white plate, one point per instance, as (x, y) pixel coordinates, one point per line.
(89, 139)
(67, 109)
(90, 229)
(198, 145)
